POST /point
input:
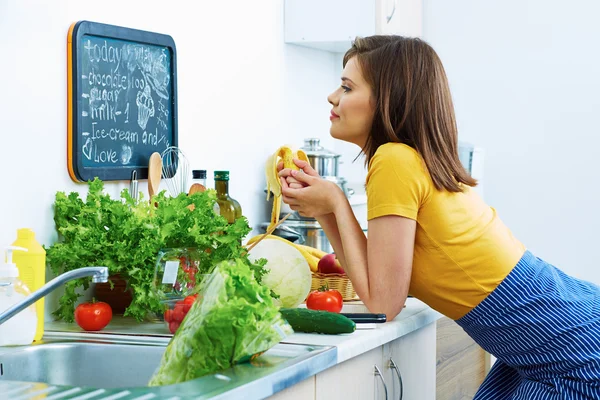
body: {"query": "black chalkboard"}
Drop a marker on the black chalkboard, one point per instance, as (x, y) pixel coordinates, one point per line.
(122, 100)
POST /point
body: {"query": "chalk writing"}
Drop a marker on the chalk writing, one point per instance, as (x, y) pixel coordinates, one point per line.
(126, 101)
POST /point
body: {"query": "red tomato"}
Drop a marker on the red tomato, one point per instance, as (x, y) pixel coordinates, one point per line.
(93, 316)
(178, 312)
(173, 326)
(174, 317)
(327, 300)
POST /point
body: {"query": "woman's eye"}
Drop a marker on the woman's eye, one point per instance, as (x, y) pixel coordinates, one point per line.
(345, 88)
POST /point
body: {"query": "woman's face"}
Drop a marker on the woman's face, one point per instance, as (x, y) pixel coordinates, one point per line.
(353, 108)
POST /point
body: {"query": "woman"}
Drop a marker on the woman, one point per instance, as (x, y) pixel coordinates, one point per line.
(432, 236)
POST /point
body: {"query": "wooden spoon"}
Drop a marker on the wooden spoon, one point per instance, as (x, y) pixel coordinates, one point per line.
(154, 173)
(195, 188)
(268, 232)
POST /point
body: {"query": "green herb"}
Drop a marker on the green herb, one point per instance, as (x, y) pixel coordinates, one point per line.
(126, 237)
(233, 320)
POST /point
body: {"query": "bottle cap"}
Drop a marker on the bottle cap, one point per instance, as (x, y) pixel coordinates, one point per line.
(9, 269)
(25, 233)
(199, 174)
(221, 175)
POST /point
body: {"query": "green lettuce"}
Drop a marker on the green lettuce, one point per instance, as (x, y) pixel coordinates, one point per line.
(233, 320)
(126, 236)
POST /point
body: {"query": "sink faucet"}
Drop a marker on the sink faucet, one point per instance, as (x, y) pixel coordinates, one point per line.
(98, 274)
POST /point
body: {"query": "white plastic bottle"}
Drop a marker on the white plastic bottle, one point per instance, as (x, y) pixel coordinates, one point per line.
(20, 329)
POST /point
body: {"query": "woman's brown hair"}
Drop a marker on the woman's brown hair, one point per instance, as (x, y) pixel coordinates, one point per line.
(413, 104)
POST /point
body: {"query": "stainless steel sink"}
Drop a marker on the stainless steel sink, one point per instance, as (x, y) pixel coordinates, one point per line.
(84, 369)
(100, 365)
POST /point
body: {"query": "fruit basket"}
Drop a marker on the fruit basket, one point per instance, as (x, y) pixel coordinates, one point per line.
(339, 282)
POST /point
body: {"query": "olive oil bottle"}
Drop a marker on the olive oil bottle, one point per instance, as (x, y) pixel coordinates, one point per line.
(228, 206)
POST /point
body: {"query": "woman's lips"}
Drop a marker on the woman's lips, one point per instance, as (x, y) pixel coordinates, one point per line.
(333, 116)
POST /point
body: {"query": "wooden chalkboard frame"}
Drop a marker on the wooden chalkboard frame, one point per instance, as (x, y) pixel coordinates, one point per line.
(77, 171)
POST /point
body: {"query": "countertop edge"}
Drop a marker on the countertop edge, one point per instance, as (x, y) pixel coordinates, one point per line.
(416, 315)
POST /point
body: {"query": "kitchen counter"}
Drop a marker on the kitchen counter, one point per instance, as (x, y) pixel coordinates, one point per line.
(415, 315)
(332, 350)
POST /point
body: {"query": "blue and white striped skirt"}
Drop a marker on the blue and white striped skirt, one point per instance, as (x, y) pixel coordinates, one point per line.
(543, 326)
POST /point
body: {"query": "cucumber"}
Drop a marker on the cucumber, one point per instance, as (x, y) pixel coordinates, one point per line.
(313, 321)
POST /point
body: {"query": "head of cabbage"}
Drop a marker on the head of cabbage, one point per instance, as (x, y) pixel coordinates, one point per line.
(288, 273)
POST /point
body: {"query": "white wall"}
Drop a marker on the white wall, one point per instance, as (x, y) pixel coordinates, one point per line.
(242, 94)
(525, 81)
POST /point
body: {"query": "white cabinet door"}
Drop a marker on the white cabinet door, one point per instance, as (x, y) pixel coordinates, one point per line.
(352, 379)
(304, 390)
(414, 357)
(400, 17)
(332, 25)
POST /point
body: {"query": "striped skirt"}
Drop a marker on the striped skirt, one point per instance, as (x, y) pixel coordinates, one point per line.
(543, 326)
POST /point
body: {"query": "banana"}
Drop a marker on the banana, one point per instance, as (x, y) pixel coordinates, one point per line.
(311, 259)
(287, 155)
(311, 250)
(313, 262)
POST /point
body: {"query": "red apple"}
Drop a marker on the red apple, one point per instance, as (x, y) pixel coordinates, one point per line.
(328, 264)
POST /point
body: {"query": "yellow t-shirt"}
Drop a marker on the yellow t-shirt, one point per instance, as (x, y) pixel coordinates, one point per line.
(462, 248)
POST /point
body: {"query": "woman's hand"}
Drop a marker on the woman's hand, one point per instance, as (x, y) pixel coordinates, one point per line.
(293, 183)
(306, 192)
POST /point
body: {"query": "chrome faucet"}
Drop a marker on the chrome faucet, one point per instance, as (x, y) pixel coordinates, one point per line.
(98, 274)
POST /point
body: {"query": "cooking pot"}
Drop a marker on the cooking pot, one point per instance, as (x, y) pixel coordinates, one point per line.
(325, 162)
(285, 209)
(304, 232)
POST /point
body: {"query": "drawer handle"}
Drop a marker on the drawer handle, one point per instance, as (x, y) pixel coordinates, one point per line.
(379, 374)
(395, 368)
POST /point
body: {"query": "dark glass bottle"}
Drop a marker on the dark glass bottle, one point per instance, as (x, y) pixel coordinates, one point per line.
(228, 206)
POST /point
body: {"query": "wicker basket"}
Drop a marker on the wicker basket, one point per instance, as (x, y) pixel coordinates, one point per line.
(339, 282)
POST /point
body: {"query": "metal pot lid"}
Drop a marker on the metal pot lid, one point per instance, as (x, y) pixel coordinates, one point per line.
(312, 147)
(305, 224)
(335, 179)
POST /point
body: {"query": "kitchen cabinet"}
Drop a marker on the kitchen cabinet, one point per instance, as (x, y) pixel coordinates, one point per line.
(304, 390)
(461, 364)
(410, 365)
(353, 379)
(331, 25)
(413, 354)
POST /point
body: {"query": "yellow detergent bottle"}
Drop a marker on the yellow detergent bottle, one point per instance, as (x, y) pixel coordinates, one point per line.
(32, 270)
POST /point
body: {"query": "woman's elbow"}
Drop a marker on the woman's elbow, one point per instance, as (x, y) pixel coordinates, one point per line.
(391, 311)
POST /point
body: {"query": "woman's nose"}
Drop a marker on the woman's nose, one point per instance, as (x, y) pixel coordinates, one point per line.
(333, 98)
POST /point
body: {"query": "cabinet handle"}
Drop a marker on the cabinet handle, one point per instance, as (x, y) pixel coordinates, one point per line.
(379, 374)
(389, 17)
(395, 368)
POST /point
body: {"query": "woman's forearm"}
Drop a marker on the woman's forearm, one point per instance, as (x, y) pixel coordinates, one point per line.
(329, 226)
(351, 241)
(354, 244)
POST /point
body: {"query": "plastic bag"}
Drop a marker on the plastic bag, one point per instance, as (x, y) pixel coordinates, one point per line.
(232, 321)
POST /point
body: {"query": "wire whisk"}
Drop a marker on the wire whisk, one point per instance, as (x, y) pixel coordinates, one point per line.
(175, 170)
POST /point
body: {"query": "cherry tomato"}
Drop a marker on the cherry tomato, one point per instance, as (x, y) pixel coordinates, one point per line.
(169, 315)
(178, 312)
(325, 299)
(93, 316)
(173, 326)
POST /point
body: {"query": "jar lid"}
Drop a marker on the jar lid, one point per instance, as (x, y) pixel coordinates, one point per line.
(221, 175)
(312, 147)
(199, 174)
